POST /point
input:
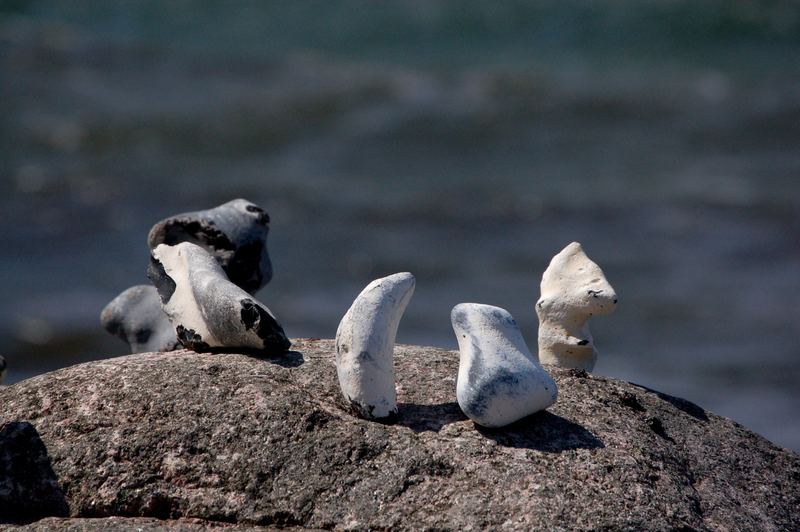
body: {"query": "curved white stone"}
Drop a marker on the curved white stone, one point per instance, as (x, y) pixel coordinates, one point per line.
(365, 345)
(206, 309)
(499, 381)
(136, 317)
(573, 290)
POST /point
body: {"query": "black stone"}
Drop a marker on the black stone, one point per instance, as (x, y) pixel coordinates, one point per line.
(235, 233)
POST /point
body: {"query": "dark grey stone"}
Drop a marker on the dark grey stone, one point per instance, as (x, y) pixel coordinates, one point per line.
(136, 317)
(235, 233)
(237, 439)
(3, 369)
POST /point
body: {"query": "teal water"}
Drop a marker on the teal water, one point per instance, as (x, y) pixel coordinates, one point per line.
(466, 142)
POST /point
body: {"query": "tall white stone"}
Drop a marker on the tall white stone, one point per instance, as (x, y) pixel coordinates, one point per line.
(573, 290)
(499, 380)
(365, 345)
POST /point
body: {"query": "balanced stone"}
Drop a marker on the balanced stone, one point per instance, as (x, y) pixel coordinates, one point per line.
(573, 290)
(136, 317)
(365, 345)
(235, 233)
(3, 369)
(499, 381)
(206, 309)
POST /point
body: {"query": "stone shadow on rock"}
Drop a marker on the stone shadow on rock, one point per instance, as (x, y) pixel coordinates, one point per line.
(289, 359)
(683, 405)
(423, 418)
(543, 431)
(31, 490)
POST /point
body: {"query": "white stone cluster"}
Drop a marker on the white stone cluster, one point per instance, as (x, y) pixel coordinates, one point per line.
(499, 380)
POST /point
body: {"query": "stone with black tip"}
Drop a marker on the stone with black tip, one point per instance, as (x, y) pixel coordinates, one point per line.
(235, 233)
(208, 311)
(499, 381)
(136, 317)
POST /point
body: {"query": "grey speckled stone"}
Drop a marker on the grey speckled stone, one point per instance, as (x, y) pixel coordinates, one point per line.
(238, 439)
(136, 317)
(235, 233)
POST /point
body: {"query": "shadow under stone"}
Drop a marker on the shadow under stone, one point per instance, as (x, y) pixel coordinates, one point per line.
(289, 359)
(422, 418)
(30, 489)
(543, 431)
(681, 404)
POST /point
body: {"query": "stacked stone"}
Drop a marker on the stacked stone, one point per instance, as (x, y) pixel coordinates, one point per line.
(205, 267)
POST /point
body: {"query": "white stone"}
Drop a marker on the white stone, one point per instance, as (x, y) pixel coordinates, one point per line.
(365, 345)
(136, 317)
(207, 310)
(573, 290)
(499, 380)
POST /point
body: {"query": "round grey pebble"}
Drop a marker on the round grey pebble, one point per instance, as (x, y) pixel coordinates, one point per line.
(136, 317)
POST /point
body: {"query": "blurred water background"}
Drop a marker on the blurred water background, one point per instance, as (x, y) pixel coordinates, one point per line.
(466, 142)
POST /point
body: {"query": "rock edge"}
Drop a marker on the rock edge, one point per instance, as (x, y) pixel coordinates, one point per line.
(234, 439)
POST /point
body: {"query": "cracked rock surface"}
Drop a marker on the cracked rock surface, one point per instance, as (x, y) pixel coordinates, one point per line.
(214, 440)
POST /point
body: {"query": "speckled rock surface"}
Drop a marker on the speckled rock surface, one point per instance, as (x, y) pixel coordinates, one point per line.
(127, 524)
(236, 439)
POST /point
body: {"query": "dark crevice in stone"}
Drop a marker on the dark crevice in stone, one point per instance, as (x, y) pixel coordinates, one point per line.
(194, 231)
(163, 282)
(631, 401)
(657, 426)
